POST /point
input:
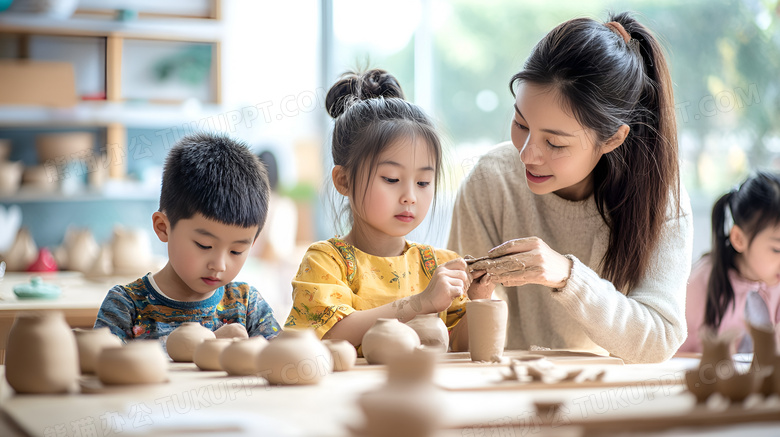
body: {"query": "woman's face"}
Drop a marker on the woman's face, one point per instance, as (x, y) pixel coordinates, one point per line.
(558, 152)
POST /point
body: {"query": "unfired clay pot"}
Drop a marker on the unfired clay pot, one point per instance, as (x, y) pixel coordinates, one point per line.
(138, 362)
(131, 251)
(487, 329)
(41, 354)
(233, 330)
(240, 357)
(388, 338)
(103, 265)
(10, 176)
(343, 353)
(207, 353)
(181, 343)
(90, 343)
(80, 250)
(698, 386)
(432, 331)
(22, 253)
(407, 405)
(295, 357)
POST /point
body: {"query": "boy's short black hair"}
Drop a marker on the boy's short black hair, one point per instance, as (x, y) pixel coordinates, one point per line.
(215, 176)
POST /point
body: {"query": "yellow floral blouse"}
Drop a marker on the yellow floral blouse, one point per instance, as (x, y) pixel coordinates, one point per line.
(336, 279)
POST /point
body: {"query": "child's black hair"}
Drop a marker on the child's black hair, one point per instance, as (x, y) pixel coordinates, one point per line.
(216, 176)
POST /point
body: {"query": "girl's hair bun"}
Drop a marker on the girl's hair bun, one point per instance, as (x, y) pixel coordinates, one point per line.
(355, 86)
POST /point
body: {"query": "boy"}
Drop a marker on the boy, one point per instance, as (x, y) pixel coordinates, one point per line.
(213, 204)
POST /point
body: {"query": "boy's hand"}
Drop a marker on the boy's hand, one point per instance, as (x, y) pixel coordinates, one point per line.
(449, 281)
(481, 285)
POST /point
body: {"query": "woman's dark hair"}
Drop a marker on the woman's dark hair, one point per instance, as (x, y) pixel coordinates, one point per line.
(215, 176)
(271, 167)
(607, 82)
(753, 207)
(371, 114)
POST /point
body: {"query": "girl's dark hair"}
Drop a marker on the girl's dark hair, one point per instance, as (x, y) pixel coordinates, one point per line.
(607, 82)
(370, 114)
(753, 207)
(215, 176)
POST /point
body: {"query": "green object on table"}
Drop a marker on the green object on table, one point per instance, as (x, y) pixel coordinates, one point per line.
(36, 289)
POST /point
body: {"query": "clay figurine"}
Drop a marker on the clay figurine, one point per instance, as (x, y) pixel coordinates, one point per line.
(181, 343)
(388, 338)
(22, 253)
(239, 358)
(138, 362)
(432, 331)
(90, 343)
(295, 357)
(343, 353)
(487, 329)
(41, 354)
(207, 353)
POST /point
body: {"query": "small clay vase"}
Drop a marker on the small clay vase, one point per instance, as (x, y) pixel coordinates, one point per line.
(295, 357)
(432, 331)
(388, 338)
(90, 343)
(233, 330)
(408, 404)
(81, 249)
(22, 253)
(716, 361)
(239, 358)
(10, 176)
(699, 388)
(131, 251)
(738, 386)
(487, 329)
(103, 265)
(343, 353)
(181, 343)
(41, 354)
(207, 353)
(138, 362)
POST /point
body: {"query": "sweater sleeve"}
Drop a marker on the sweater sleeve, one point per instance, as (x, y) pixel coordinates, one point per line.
(117, 313)
(260, 317)
(648, 324)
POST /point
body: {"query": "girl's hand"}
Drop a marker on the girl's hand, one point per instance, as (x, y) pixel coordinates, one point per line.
(449, 281)
(481, 285)
(526, 261)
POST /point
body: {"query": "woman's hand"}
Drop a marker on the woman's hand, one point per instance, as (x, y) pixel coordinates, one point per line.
(526, 261)
(449, 281)
(481, 285)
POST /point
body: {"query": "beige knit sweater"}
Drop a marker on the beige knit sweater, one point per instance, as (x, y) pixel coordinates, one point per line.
(647, 324)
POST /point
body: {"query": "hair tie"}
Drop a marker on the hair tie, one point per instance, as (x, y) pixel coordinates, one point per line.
(617, 27)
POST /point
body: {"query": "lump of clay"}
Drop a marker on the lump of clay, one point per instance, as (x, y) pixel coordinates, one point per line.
(232, 330)
(295, 357)
(239, 358)
(138, 362)
(181, 343)
(207, 353)
(343, 353)
(90, 343)
(388, 338)
(432, 331)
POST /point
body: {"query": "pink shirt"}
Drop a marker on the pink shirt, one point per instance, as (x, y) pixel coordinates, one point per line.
(696, 303)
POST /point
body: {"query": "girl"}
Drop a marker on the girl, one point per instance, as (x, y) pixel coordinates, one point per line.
(593, 183)
(387, 159)
(745, 257)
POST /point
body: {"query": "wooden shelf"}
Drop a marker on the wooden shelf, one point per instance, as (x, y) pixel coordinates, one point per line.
(168, 29)
(125, 192)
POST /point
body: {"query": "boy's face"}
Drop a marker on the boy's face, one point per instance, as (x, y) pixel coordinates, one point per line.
(206, 254)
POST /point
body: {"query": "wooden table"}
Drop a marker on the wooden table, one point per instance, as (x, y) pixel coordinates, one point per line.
(80, 299)
(212, 403)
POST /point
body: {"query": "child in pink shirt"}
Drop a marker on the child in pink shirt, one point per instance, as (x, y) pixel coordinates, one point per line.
(745, 257)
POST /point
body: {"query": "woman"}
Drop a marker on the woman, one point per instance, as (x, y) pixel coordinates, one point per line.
(590, 212)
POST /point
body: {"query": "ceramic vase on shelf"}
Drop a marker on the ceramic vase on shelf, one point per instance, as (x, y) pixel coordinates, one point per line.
(432, 331)
(41, 354)
(90, 343)
(22, 253)
(295, 357)
(137, 362)
(487, 329)
(388, 338)
(343, 353)
(183, 340)
(240, 357)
